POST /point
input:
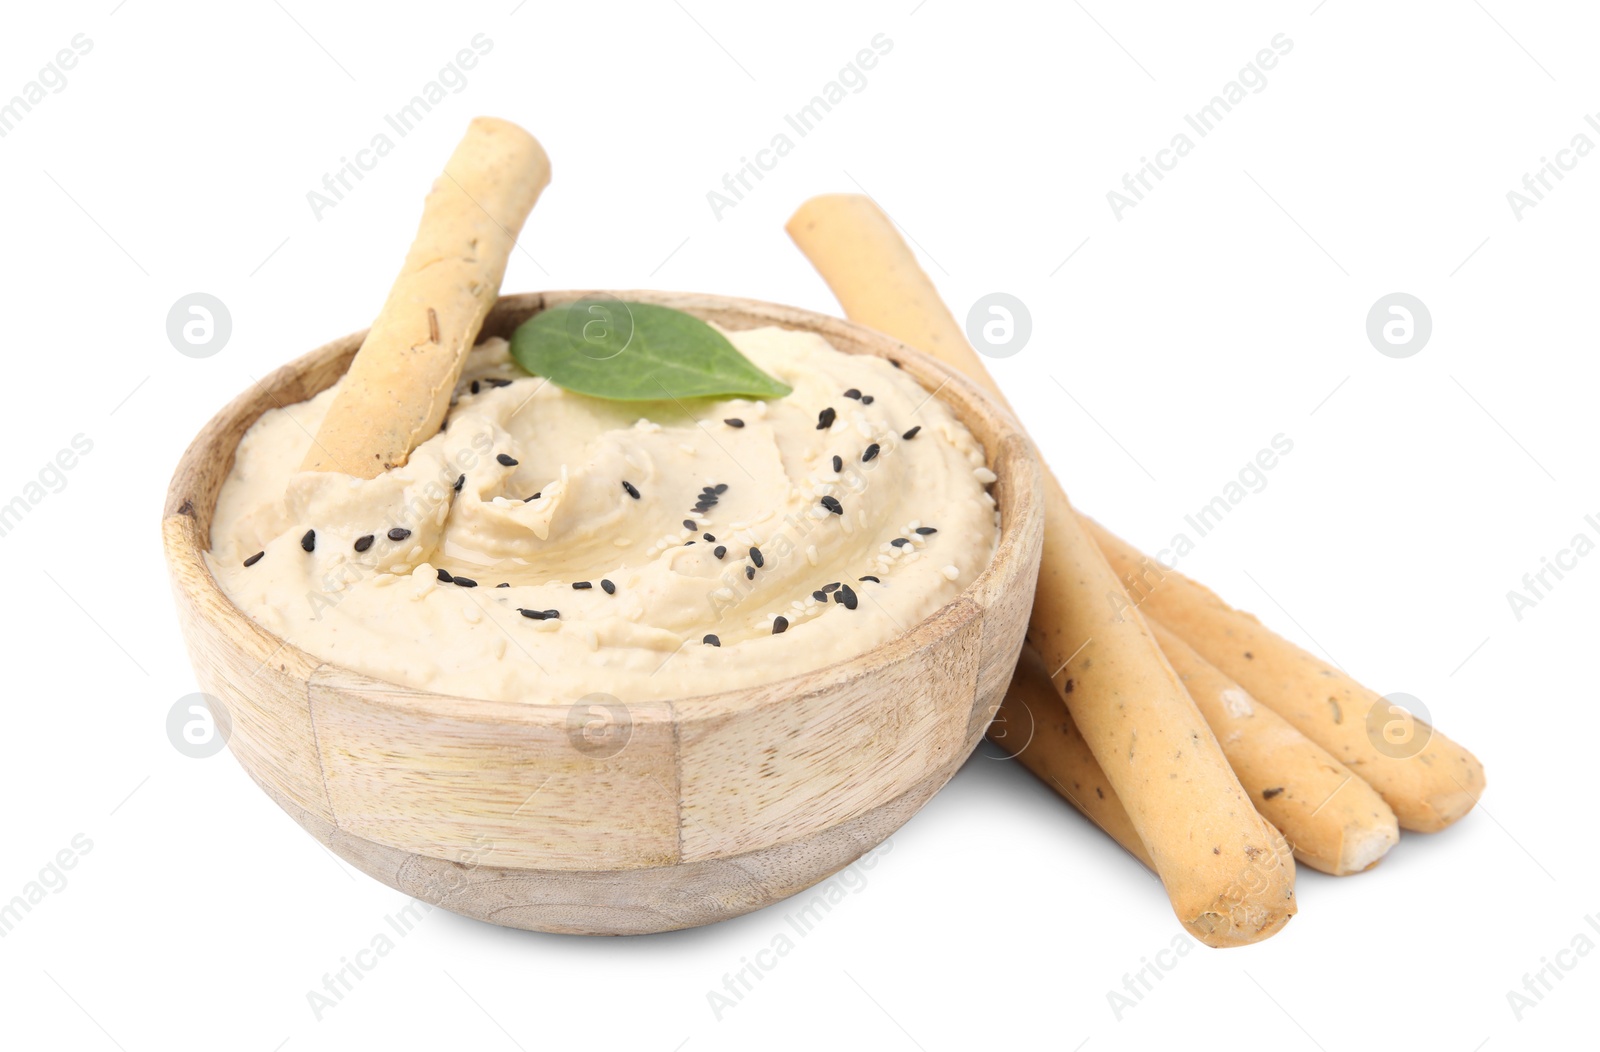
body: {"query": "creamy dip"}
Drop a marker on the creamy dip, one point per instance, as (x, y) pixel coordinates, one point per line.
(547, 545)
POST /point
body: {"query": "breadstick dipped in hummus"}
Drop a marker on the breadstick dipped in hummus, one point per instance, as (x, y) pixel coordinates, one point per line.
(399, 384)
(1229, 875)
(1428, 783)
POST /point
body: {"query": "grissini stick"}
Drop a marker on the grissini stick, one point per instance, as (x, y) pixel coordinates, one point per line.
(1033, 726)
(1335, 822)
(1226, 871)
(1426, 778)
(398, 388)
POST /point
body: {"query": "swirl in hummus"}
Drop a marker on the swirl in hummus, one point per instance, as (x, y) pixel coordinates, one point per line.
(546, 545)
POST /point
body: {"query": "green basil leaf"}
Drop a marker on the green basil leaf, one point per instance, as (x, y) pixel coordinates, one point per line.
(636, 352)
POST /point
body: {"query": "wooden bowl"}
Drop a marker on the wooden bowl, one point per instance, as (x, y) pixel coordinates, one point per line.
(688, 810)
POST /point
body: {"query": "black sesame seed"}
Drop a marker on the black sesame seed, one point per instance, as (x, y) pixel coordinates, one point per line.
(870, 452)
(581, 585)
(690, 525)
(444, 575)
(506, 460)
(703, 507)
(711, 490)
(399, 533)
(756, 557)
(711, 640)
(780, 625)
(866, 399)
(254, 559)
(632, 492)
(444, 425)
(926, 530)
(465, 582)
(719, 551)
(535, 615)
(309, 541)
(503, 584)
(474, 387)
(820, 596)
(838, 463)
(461, 480)
(687, 543)
(853, 393)
(610, 588)
(708, 536)
(749, 573)
(830, 587)
(825, 419)
(833, 505)
(363, 542)
(734, 421)
(909, 435)
(496, 382)
(722, 487)
(871, 578)
(529, 500)
(899, 542)
(846, 596)
(896, 363)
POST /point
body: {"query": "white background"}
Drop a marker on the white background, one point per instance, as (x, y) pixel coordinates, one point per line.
(1167, 348)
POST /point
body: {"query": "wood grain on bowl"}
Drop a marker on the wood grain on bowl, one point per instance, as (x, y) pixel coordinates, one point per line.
(684, 810)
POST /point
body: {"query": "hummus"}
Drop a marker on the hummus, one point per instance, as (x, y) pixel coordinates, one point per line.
(547, 546)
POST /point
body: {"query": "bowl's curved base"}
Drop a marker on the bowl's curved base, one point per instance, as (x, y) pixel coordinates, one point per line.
(624, 902)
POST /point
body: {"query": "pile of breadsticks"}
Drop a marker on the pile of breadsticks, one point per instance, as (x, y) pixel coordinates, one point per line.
(1212, 749)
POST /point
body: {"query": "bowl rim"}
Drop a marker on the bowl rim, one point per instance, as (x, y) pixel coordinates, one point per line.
(1009, 451)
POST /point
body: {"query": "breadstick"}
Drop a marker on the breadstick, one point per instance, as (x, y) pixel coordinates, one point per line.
(1335, 822)
(877, 281)
(1035, 728)
(1429, 785)
(1226, 871)
(398, 388)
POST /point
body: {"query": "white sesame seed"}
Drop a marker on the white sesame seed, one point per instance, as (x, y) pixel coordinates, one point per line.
(984, 475)
(950, 573)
